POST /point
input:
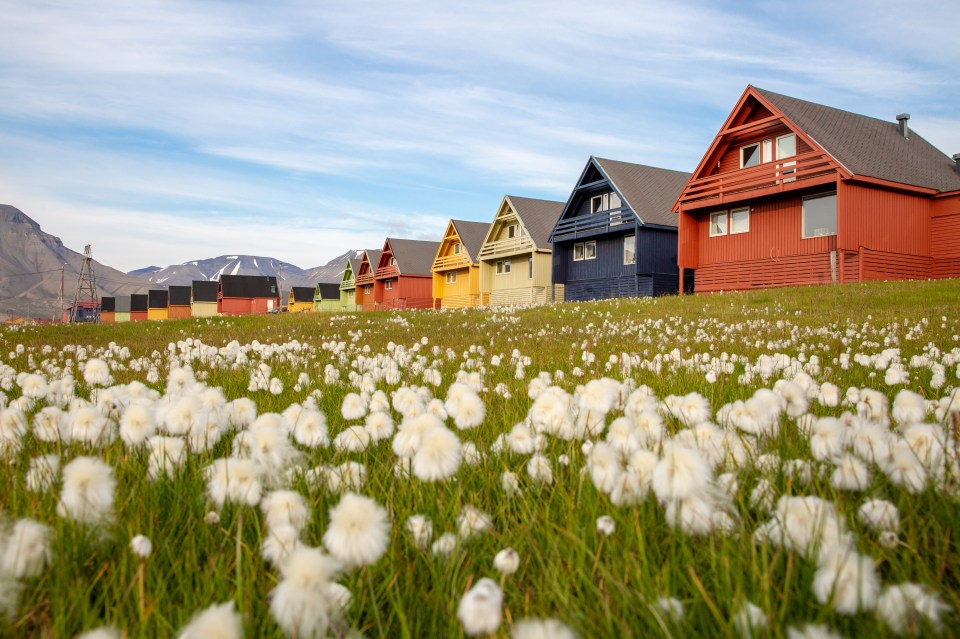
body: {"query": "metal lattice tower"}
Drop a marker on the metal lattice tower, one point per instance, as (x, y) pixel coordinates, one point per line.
(86, 286)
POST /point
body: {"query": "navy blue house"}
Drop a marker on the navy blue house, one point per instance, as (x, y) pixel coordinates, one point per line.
(617, 235)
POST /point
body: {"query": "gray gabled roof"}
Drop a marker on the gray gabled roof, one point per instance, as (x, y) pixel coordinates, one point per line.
(472, 235)
(868, 146)
(648, 190)
(414, 257)
(373, 257)
(538, 217)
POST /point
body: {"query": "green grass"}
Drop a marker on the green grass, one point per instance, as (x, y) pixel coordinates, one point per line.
(601, 587)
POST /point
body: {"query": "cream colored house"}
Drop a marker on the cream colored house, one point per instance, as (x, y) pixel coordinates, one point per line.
(516, 259)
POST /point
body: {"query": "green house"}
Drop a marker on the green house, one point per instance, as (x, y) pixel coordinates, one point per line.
(326, 297)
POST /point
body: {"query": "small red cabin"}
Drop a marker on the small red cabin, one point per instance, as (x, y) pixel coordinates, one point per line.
(247, 294)
(792, 192)
(404, 276)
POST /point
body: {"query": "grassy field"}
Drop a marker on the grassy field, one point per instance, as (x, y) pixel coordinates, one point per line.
(888, 337)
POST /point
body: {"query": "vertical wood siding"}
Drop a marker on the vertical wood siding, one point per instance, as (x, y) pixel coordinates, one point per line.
(179, 312)
(945, 237)
(203, 309)
(730, 160)
(108, 317)
(884, 220)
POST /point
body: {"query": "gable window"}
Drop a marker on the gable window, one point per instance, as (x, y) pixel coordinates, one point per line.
(786, 146)
(750, 155)
(739, 221)
(457, 248)
(388, 284)
(393, 261)
(604, 202)
(767, 150)
(503, 267)
(530, 268)
(718, 223)
(513, 231)
(820, 215)
(451, 277)
(630, 249)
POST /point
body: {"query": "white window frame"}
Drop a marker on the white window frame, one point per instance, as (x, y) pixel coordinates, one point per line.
(784, 137)
(451, 277)
(713, 225)
(388, 285)
(633, 250)
(393, 261)
(590, 250)
(368, 289)
(457, 248)
(766, 151)
(744, 148)
(578, 247)
(803, 215)
(513, 231)
(599, 203)
(745, 209)
(503, 267)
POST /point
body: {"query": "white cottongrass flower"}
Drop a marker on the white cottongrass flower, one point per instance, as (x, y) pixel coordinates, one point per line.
(104, 632)
(26, 550)
(166, 454)
(541, 629)
(480, 608)
(438, 455)
(234, 480)
(805, 524)
(48, 424)
(521, 441)
(888, 539)
(904, 468)
(879, 515)
(693, 515)
(681, 473)
(87, 492)
(310, 429)
(43, 473)
(539, 469)
(444, 545)
(606, 526)
(141, 546)
(353, 439)
(359, 531)
(507, 561)
(908, 408)
(96, 372)
(219, 621)
(812, 631)
(406, 441)
(472, 521)
(353, 407)
(509, 482)
(420, 529)
(137, 425)
(285, 508)
(851, 473)
(276, 386)
(750, 620)
(89, 426)
(829, 395)
(906, 608)
(279, 542)
(302, 603)
(847, 580)
(380, 425)
(672, 606)
(603, 464)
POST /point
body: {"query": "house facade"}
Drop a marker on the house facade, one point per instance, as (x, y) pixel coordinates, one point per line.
(300, 299)
(793, 192)
(365, 298)
(326, 297)
(122, 304)
(158, 301)
(247, 294)
(139, 307)
(403, 278)
(348, 281)
(456, 267)
(179, 307)
(108, 310)
(617, 234)
(203, 298)
(515, 258)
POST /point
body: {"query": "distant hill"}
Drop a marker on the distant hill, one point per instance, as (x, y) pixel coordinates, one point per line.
(30, 262)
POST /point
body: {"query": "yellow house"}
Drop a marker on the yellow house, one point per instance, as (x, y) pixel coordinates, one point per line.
(456, 268)
(300, 299)
(516, 261)
(158, 300)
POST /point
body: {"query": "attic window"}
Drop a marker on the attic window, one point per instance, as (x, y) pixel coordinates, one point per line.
(786, 146)
(457, 248)
(513, 231)
(393, 261)
(605, 202)
(750, 155)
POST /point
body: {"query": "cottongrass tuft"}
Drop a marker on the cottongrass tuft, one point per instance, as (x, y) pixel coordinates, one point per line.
(907, 608)
(420, 529)
(480, 607)
(141, 546)
(359, 531)
(302, 603)
(234, 480)
(285, 508)
(26, 550)
(507, 561)
(847, 580)
(219, 621)
(87, 492)
(541, 629)
(438, 455)
(606, 526)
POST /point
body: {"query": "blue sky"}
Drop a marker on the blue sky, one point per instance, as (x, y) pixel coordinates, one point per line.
(165, 131)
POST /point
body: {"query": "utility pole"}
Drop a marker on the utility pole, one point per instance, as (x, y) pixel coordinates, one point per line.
(86, 284)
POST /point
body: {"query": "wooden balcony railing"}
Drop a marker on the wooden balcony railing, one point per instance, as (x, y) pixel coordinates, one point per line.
(507, 247)
(364, 279)
(346, 285)
(387, 271)
(592, 224)
(766, 178)
(451, 261)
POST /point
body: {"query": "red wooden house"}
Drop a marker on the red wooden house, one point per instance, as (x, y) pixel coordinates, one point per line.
(364, 293)
(247, 294)
(404, 275)
(792, 192)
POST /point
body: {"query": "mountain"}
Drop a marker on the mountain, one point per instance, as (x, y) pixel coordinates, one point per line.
(211, 268)
(30, 269)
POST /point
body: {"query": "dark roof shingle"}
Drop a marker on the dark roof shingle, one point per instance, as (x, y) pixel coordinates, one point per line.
(179, 296)
(302, 293)
(538, 217)
(648, 190)
(328, 291)
(249, 286)
(471, 235)
(414, 257)
(204, 291)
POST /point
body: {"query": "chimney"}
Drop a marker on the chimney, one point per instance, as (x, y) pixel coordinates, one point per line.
(956, 159)
(902, 124)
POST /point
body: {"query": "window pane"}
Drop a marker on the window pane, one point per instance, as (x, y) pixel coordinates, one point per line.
(750, 155)
(718, 224)
(530, 268)
(786, 146)
(820, 215)
(739, 221)
(630, 249)
(767, 150)
(577, 252)
(615, 202)
(589, 250)
(506, 266)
